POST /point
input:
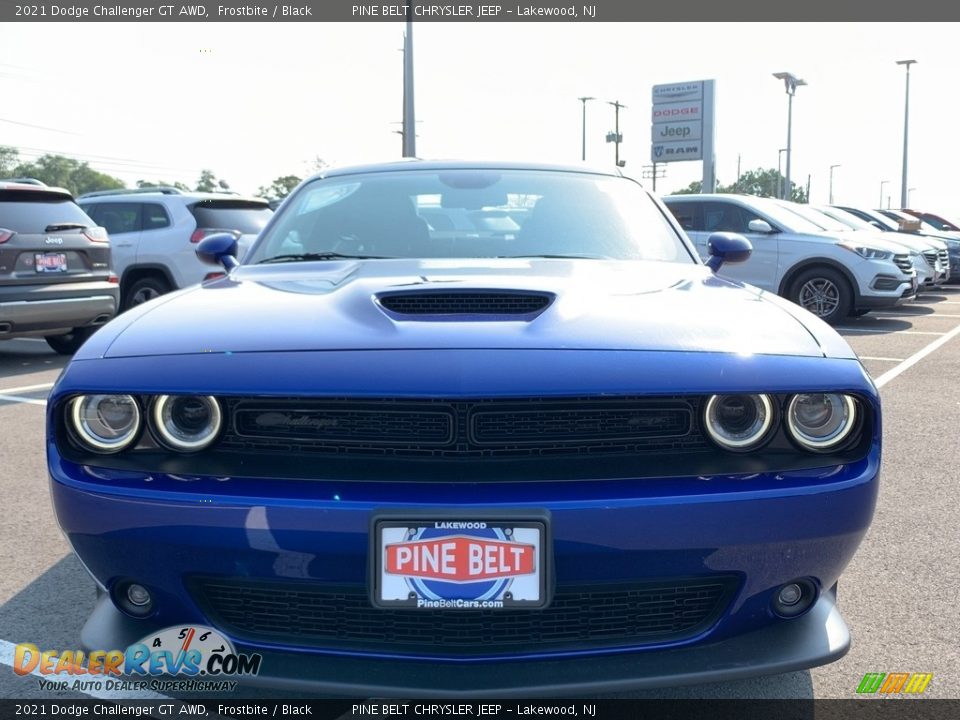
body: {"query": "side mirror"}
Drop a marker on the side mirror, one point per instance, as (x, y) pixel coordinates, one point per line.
(219, 249)
(725, 247)
(759, 226)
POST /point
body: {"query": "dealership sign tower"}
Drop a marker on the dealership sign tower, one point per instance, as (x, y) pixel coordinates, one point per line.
(683, 126)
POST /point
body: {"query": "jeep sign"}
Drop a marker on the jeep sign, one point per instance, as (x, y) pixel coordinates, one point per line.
(670, 131)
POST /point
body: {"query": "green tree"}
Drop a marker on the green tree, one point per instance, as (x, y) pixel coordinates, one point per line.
(279, 188)
(694, 188)
(9, 159)
(207, 181)
(61, 171)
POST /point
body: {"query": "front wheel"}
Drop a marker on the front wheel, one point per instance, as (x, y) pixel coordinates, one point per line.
(68, 344)
(824, 292)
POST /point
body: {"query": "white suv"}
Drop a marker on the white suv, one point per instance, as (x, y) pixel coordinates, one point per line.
(154, 232)
(830, 276)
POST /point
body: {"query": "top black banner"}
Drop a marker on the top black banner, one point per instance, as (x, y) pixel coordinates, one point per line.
(492, 11)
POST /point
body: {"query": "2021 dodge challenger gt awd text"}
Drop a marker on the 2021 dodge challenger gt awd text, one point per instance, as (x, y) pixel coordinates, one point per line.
(470, 428)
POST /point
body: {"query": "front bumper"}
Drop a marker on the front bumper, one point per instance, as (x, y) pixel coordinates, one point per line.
(817, 638)
(808, 527)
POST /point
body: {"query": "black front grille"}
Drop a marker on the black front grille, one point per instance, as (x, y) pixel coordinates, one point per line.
(930, 256)
(315, 615)
(903, 262)
(465, 303)
(465, 429)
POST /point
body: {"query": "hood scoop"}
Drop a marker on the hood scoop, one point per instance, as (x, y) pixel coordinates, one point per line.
(464, 304)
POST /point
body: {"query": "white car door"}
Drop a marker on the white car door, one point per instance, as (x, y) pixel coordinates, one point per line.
(762, 267)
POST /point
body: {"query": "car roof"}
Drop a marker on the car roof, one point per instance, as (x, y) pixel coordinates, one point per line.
(147, 194)
(419, 164)
(37, 189)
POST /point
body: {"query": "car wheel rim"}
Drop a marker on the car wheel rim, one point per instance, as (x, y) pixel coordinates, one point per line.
(144, 295)
(820, 296)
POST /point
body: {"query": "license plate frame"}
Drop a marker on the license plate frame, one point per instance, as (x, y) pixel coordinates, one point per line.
(509, 542)
(50, 262)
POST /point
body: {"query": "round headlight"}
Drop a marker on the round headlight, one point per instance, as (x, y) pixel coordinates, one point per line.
(105, 423)
(186, 422)
(738, 422)
(821, 421)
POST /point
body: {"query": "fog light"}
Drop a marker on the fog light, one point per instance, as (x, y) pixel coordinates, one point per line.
(789, 594)
(133, 599)
(794, 598)
(140, 596)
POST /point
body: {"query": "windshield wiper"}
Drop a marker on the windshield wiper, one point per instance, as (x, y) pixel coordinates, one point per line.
(54, 227)
(306, 257)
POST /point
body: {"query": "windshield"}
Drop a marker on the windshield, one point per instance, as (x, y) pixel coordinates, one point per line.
(848, 219)
(470, 213)
(817, 218)
(788, 220)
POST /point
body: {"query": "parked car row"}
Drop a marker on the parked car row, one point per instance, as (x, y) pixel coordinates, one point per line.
(67, 266)
(835, 262)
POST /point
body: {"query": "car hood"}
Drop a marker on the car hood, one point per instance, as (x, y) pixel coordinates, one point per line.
(594, 304)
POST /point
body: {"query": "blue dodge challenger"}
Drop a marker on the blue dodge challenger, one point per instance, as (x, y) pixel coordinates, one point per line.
(470, 428)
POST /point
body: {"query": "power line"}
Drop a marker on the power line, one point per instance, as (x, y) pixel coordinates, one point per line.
(104, 159)
(37, 127)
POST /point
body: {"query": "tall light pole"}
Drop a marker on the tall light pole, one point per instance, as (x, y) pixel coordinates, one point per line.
(882, 183)
(409, 132)
(906, 125)
(616, 138)
(790, 83)
(831, 183)
(583, 125)
(780, 153)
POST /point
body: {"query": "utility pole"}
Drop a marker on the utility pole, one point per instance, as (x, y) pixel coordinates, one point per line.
(409, 117)
(615, 137)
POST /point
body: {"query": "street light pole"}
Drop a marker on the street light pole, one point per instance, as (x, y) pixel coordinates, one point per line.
(790, 83)
(831, 183)
(780, 153)
(906, 125)
(882, 183)
(583, 154)
(409, 117)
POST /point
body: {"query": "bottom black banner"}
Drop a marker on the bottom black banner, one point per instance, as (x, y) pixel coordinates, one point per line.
(888, 709)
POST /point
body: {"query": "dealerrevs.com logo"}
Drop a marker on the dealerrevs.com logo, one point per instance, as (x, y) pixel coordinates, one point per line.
(181, 658)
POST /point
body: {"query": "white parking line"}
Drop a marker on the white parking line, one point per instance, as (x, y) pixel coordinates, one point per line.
(916, 357)
(888, 316)
(6, 658)
(886, 331)
(25, 388)
(882, 359)
(23, 400)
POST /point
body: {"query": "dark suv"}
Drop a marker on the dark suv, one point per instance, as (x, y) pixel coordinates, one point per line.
(55, 276)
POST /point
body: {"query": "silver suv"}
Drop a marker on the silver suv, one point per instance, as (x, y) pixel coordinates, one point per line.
(830, 276)
(55, 278)
(155, 231)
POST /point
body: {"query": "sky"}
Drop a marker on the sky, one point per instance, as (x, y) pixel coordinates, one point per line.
(254, 101)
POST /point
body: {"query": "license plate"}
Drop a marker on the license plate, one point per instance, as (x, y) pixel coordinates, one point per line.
(460, 563)
(50, 262)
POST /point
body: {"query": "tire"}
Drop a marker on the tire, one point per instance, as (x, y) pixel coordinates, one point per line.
(68, 344)
(144, 290)
(824, 292)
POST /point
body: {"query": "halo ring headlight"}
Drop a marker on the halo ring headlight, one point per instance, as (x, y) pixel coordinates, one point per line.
(738, 422)
(105, 423)
(186, 423)
(821, 421)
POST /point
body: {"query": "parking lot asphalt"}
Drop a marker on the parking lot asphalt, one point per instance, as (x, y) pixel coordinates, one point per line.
(899, 596)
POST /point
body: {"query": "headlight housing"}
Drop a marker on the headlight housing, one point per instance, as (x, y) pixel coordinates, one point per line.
(821, 421)
(186, 423)
(738, 422)
(104, 423)
(867, 252)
